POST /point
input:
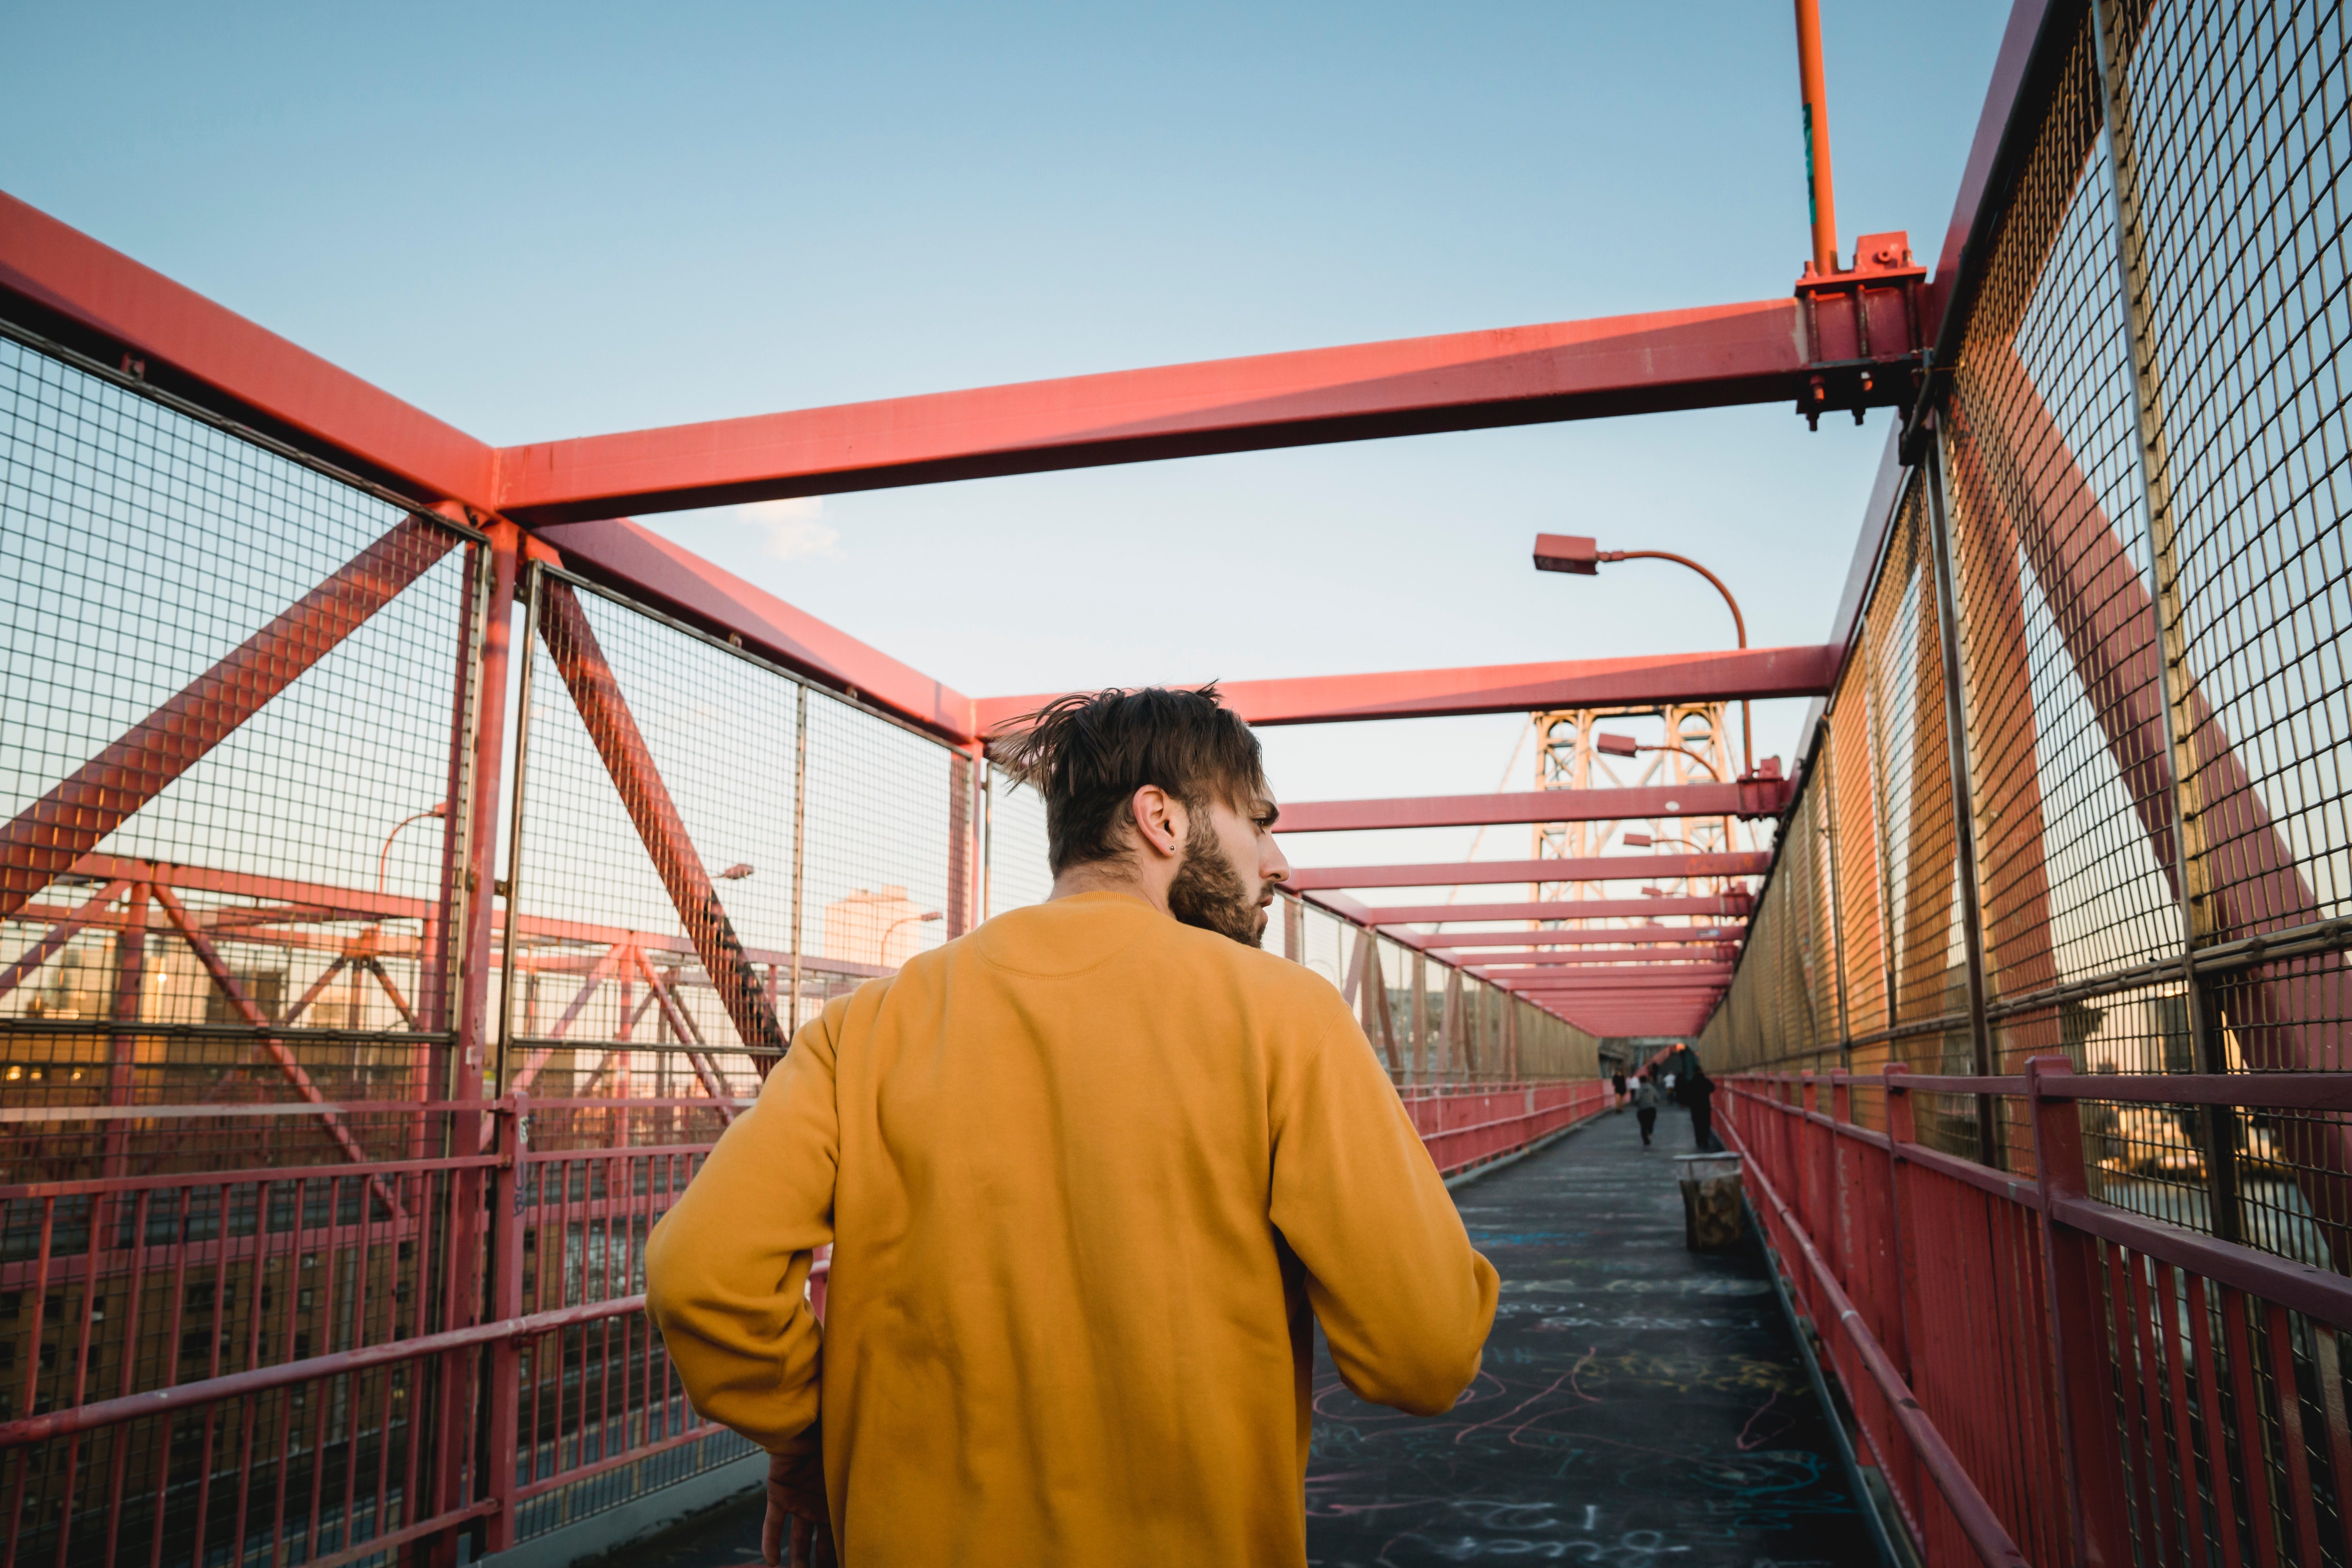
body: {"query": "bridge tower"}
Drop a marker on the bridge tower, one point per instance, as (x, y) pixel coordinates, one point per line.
(1684, 742)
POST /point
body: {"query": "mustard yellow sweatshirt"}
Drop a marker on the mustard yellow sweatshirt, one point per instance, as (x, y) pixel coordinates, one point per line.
(1085, 1171)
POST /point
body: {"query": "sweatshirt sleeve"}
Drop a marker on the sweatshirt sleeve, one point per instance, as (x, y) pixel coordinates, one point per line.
(1403, 1300)
(727, 1266)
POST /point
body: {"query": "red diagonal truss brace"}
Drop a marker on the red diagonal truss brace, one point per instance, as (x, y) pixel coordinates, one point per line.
(563, 627)
(68, 821)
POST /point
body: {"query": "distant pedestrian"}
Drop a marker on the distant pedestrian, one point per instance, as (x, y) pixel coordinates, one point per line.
(1645, 1106)
(1619, 1082)
(1698, 1093)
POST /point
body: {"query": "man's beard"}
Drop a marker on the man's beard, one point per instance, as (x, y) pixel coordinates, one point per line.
(1207, 892)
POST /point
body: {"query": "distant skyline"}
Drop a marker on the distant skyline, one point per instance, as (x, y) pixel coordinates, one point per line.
(537, 222)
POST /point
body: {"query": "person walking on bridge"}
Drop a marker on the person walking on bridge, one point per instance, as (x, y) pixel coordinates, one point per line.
(1645, 1105)
(1091, 1174)
(1698, 1093)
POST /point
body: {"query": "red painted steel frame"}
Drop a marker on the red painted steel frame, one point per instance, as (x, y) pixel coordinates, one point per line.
(1759, 797)
(1709, 962)
(1585, 869)
(1632, 936)
(1732, 905)
(620, 552)
(1713, 357)
(66, 273)
(1921, 1270)
(1499, 687)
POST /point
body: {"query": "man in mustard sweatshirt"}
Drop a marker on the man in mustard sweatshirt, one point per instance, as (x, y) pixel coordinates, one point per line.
(1086, 1171)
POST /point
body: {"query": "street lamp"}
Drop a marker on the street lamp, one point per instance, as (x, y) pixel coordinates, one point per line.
(1578, 555)
(1626, 746)
(882, 954)
(1643, 841)
(736, 872)
(385, 859)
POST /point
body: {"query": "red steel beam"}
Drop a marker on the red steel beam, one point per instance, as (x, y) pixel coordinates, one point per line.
(67, 823)
(1754, 798)
(1725, 676)
(1712, 357)
(1734, 905)
(1584, 868)
(1678, 963)
(177, 329)
(618, 552)
(564, 629)
(1695, 984)
(1639, 936)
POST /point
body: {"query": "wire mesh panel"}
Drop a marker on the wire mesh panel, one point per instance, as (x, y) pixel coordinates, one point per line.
(231, 744)
(1018, 871)
(657, 781)
(226, 741)
(2048, 531)
(883, 812)
(2231, 143)
(1851, 803)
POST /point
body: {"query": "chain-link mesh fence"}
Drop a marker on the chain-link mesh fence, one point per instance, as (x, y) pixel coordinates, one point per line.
(2139, 469)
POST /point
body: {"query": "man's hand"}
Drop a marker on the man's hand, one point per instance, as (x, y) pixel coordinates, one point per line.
(796, 1499)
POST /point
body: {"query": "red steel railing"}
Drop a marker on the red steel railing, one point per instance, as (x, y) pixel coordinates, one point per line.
(1465, 1130)
(328, 1411)
(2042, 1376)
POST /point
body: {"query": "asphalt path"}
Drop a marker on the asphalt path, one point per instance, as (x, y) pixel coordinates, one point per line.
(1641, 1406)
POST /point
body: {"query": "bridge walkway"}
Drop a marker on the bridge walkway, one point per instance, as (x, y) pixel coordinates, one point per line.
(1641, 1407)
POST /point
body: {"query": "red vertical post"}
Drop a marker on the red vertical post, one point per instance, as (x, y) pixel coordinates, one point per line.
(500, 1427)
(435, 995)
(1814, 90)
(960, 858)
(1903, 1261)
(437, 950)
(1842, 1193)
(474, 892)
(123, 1052)
(2090, 1463)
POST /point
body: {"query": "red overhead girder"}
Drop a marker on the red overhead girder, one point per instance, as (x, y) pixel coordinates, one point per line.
(1712, 357)
(1715, 954)
(177, 329)
(1585, 869)
(1693, 981)
(1732, 906)
(1723, 676)
(1752, 798)
(1638, 936)
(1762, 351)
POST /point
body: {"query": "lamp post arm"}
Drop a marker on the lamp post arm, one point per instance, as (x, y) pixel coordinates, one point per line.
(1738, 622)
(1738, 625)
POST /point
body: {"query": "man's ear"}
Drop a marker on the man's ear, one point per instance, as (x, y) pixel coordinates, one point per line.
(1158, 821)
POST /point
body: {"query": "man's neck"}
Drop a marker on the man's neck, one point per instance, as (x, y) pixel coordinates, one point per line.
(1115, 876)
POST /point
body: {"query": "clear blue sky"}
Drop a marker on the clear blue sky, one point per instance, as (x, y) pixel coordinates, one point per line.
(540, 220)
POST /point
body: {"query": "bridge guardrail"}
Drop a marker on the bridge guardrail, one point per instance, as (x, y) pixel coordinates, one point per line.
(2041, 1365)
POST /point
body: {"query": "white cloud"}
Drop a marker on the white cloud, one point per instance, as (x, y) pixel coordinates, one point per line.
(796, 529)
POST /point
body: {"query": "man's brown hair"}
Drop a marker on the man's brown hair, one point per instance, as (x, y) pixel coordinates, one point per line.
(1088, 752)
